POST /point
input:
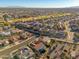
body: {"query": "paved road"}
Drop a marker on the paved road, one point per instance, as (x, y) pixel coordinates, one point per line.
(70, 34)
(8, 50)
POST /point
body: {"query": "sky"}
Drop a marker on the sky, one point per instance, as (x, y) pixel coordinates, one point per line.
(39, 3)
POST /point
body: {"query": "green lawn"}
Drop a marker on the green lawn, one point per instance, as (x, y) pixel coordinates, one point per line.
(2, 37)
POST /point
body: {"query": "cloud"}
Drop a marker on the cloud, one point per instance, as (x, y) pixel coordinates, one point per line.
(74, 2)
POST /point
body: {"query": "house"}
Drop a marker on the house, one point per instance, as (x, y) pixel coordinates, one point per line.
(39, 46)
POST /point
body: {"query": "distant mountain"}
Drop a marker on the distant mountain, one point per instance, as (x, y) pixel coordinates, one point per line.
(74, 7)
(33, 7)
(13, 7)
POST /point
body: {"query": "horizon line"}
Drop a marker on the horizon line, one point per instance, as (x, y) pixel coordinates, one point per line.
(34, 7)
